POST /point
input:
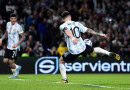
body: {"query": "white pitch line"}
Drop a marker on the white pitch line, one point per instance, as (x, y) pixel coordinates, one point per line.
(93, 85)
(16, 79)
(101, 86)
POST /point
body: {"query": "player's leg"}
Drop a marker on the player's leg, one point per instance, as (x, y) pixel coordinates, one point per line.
(14, 68)
(5, 60)
(90, 49)
(62, 70)
(105, 52)
(6, 56)
(66, 57)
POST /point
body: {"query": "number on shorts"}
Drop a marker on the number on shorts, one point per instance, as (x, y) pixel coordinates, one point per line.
(14, 54)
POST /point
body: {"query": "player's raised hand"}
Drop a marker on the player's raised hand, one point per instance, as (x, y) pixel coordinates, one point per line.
(74, 40)
(103, 35)
(0, 42)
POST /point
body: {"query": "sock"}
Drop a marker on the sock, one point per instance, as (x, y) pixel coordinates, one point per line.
(102, 51)
(63, 71)
(14, 70)
(16, 66)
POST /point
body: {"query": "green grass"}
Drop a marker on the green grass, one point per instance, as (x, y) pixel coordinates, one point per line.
(76, 82)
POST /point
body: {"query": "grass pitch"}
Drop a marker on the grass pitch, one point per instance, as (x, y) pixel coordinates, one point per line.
(76, 82)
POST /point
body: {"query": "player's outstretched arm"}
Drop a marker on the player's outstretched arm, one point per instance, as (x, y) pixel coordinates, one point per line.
(95, 33)
(21, 40)
(3, 37)
(68, 33)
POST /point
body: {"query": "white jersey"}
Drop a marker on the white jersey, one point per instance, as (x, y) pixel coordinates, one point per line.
(13, 34)
(75, 28)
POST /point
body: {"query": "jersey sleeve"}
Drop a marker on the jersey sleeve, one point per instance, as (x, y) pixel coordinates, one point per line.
(83, 29)
(63, 27)
(20, 30)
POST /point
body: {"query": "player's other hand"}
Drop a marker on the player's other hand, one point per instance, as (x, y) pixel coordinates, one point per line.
(75, 40)
(14, 46)
(103, 35)
(0, 42)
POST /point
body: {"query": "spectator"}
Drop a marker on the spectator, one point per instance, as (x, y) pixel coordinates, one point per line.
(116, 42)
(32, 31)
(2, 22)
(27, 50)
(30, 20)
(52, 52)
(38, 49)
(62, 48)
(2, 50)
(42, 29)
(41, 20)
(1, 33)
(10, 7)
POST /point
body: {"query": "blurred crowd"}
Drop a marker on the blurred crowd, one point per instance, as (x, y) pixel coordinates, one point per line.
(41, 19)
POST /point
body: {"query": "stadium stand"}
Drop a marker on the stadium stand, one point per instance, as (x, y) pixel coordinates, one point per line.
(40, 20)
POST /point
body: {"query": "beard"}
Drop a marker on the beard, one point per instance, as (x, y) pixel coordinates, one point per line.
(13, 22)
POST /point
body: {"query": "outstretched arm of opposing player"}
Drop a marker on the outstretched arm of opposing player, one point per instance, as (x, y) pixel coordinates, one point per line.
(68, 33)
(3, 37)
(20, 41)
(95, 33)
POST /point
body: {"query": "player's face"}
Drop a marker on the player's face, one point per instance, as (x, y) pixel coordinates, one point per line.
(13, 20)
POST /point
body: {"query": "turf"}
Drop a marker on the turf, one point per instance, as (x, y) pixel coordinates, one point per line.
(76, 82)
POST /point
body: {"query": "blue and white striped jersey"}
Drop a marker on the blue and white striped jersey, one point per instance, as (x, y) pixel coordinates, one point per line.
(13, 34)
(75, 28)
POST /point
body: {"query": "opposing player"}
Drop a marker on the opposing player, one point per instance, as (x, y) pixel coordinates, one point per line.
(75, 44)
(13, 30)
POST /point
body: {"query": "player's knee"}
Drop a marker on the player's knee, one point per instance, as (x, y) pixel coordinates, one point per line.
(11, 61)
(5, 60)
(61, 60)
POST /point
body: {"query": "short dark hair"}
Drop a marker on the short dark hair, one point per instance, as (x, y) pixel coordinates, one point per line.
(13, 15)
(65, 14)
